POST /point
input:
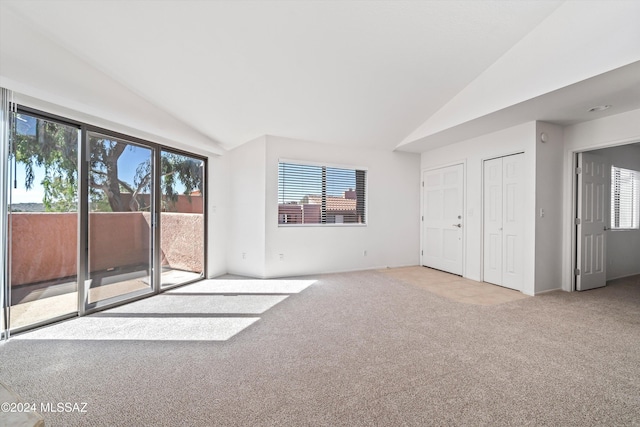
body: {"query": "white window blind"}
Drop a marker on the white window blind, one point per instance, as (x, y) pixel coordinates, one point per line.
(317, 195)
(625, 198)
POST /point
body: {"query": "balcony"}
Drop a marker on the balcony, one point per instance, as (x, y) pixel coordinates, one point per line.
(44, 252)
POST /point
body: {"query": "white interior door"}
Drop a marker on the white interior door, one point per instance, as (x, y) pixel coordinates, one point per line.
(493, 221)
(442, 219)
(594, 185)
(512, 221)
(503, 221)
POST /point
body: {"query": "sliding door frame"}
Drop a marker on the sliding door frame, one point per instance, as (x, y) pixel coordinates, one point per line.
(19, 109)
(83, 296)
(84, 307)
(205, 230)
(7, 110)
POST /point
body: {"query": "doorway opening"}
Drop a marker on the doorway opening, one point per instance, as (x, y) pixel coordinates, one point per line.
(606, 216)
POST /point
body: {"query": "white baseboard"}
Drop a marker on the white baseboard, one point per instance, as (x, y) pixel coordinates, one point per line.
(547, 290)
(623, 277)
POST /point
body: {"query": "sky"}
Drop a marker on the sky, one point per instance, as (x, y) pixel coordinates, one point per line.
(21, 194)
(27, 125)
(127, 164)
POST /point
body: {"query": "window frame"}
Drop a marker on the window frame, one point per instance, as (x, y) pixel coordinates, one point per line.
(84, 129)
(325, 165)
(635, 207)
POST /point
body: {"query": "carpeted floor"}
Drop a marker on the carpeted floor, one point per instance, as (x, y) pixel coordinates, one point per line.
(454, 287)
(353, 349)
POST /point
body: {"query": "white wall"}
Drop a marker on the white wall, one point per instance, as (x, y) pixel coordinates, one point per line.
(391, 235)
(623, 246)
(609, 131)
(473, 152)
(245, 213)
(252, 175)
(218, 215)
(549, 213)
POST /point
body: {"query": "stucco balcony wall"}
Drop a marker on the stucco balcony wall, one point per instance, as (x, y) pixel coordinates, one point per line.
(44, 245)
(182, 237)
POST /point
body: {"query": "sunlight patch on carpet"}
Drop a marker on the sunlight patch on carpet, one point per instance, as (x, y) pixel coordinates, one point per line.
(142, 329)
(244, 286)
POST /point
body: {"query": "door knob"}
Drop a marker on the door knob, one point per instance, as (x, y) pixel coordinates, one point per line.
(457, 225)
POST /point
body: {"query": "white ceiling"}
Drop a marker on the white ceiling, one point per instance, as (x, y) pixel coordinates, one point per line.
(619, 88)
(361, 73)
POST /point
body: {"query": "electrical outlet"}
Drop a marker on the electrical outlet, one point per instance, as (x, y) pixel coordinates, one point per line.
(281, 257)
(244, 255)
(364, 253)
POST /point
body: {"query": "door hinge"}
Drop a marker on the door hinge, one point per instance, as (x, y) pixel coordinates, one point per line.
(422, 217)
(577, 221)
(423, 183)
(421, 252)
(578, 171)
(576, 272)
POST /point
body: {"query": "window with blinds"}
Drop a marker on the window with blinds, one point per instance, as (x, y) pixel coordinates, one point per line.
(625, 198)
(320, 195)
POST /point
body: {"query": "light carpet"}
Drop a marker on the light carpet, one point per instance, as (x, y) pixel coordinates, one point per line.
(354, 349)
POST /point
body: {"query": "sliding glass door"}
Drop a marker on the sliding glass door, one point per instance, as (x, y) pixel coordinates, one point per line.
(91, 218)
(43, 220)
(121, 211)
(182, 218)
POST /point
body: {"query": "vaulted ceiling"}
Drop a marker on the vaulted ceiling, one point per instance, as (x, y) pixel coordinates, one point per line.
(381, 74)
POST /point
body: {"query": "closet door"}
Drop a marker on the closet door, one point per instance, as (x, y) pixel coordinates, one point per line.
(503, 224)
(493, 221)
(512, 223)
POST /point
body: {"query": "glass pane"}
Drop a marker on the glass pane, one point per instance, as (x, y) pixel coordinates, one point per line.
(43, 221)
(120, 212)
(182, 219)
(309, 194)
